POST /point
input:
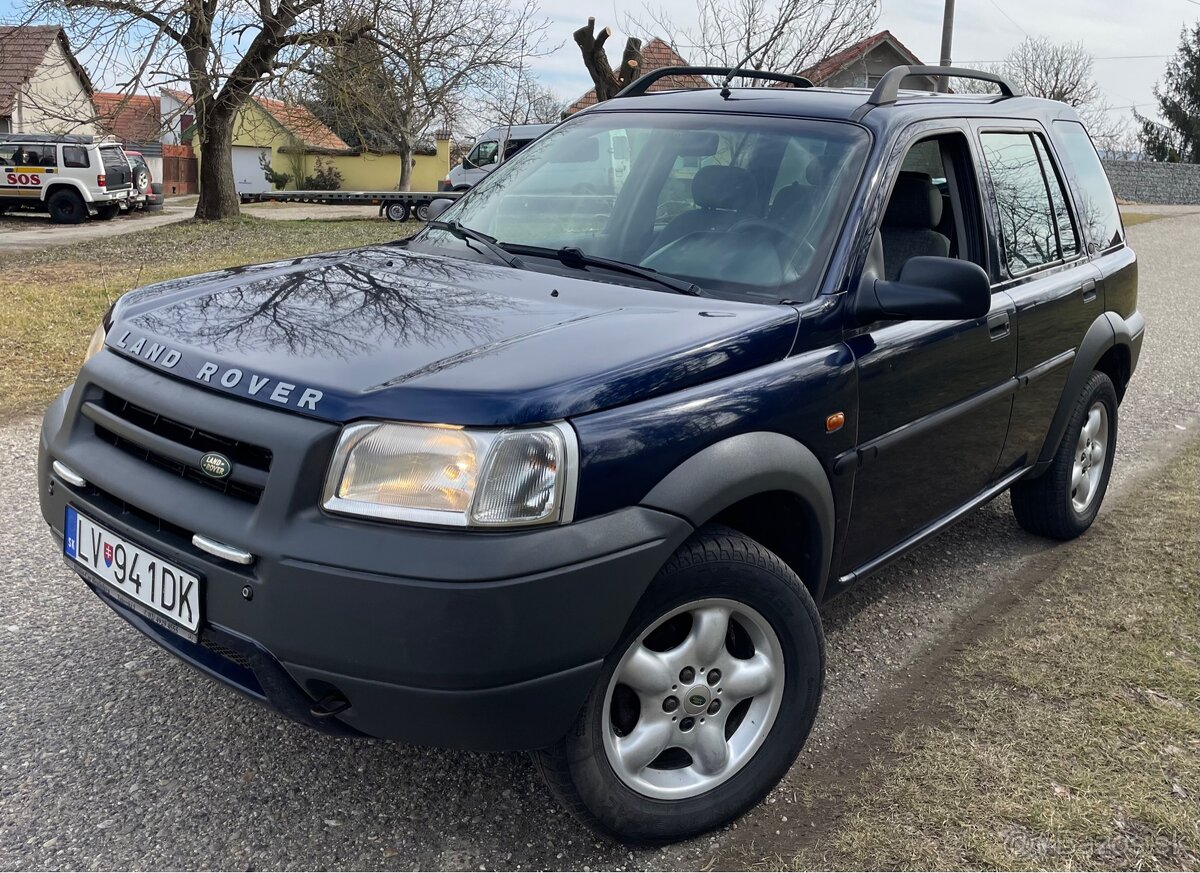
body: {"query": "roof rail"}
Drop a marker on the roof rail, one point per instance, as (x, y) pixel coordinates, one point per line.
(641, 85)
(885, 92)
(72, 138)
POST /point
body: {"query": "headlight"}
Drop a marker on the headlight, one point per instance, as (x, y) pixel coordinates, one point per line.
(96, 343)
(447, 475)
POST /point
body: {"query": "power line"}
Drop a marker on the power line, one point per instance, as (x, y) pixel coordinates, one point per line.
(1094, 58)
(1014, 21)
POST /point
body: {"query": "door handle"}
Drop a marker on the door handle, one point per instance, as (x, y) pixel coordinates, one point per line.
(1089, 290)
(998, 326)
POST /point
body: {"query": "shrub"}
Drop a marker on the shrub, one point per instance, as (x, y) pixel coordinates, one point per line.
(326, 177)
(279, 180)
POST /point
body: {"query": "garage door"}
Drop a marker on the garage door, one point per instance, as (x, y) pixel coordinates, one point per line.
(247, 172)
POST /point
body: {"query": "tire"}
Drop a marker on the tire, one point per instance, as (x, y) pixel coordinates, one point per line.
(1062, 503)
(66, 207)
(3, 208)
(594, 770)
(108, 211)
(422, 212)
(396, 211)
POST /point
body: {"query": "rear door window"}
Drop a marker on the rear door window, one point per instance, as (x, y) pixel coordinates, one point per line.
(1028, 229)
(75, 157)
(1098, 211)
(1067, 239)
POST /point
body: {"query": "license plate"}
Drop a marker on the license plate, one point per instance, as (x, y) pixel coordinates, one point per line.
(156, 589)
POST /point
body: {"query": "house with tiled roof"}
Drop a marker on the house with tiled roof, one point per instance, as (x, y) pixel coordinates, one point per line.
(43, 88)
(862, 64)
(293, 142)
(655, 54)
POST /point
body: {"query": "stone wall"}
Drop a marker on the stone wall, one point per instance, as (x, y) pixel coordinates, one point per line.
(1153, 182)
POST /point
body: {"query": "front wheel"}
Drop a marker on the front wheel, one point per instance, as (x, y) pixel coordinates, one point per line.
(703, 705)
(1062, 503)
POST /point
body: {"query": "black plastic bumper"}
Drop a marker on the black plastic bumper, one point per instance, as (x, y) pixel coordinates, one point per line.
(453, 639)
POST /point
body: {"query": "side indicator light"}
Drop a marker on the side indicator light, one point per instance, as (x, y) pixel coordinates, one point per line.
(834, 422)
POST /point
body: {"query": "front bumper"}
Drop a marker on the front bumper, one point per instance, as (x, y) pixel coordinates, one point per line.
(446, 638)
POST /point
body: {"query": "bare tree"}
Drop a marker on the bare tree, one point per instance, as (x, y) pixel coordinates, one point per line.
(1063, 72)
(219, 50)
(429, 64)
(786, 36)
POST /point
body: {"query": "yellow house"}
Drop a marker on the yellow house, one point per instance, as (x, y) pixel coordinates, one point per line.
(295, 142)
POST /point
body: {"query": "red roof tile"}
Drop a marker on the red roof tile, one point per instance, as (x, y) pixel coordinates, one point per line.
(302, 124)
(655, 54)
(131, 118)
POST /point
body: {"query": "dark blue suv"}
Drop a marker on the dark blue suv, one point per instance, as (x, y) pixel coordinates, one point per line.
(572, 469)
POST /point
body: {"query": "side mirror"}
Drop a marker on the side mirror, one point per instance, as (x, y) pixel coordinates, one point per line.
(437, 207)
(929, 289)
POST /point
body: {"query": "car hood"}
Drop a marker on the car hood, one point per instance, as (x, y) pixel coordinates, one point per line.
(386, 333)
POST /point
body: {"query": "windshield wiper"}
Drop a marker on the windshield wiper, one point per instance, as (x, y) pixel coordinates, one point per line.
(577, 259)
(468, 236)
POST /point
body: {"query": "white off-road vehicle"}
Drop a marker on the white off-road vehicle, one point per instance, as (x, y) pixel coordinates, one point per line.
(68, 175)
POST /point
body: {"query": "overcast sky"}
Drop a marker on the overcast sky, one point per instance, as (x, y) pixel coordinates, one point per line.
(1130, 39)
(984, 31)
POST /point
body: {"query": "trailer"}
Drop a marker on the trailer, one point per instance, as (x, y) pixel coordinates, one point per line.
(395, 205)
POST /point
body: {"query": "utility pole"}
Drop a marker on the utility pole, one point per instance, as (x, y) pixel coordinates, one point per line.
(947, 42)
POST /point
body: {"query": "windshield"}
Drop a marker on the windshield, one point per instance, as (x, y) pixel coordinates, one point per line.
(742, 206)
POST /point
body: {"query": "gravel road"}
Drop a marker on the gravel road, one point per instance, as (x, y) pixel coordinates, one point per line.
(114, 755)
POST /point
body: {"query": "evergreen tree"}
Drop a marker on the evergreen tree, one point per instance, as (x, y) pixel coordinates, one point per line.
(1178, 95)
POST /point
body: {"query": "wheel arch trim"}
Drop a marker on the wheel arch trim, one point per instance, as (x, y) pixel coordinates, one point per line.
(747, 465)
(1107, 331)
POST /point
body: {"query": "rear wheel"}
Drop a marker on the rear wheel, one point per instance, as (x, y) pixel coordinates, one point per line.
(108, 211)
(1063, 502)
(66, 207)
(397, 212)
(703, 705)
(422, 212)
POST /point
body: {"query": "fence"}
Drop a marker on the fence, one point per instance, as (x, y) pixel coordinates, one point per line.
(1154, 182)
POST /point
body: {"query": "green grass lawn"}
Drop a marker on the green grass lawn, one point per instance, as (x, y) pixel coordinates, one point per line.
(52, 300)
(1073, 734)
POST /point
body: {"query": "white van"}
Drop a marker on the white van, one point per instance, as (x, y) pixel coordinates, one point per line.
(492, 148)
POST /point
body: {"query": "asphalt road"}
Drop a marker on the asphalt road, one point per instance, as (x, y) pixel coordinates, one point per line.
(113, 755)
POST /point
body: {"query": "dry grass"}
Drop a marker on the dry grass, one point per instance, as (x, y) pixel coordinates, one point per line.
(51, 301)
(1075, 738)
(1132, 218)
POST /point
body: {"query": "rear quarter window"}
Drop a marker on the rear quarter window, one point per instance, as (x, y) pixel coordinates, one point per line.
(1098, 211)
(75, 157)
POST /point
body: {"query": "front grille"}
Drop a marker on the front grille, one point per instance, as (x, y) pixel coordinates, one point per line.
(186, 436)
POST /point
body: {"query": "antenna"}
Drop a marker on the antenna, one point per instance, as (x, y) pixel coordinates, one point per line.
(734, 70)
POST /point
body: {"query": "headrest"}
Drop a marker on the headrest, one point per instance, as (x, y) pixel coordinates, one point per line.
(720, 187)
(916, 202)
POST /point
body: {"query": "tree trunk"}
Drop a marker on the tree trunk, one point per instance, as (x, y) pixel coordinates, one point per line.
(406, 167)
(218, 193)
(591, 46)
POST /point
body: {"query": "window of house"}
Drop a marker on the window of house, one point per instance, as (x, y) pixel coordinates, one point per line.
(1028, 225)
(75, 156)
(1098, 213)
